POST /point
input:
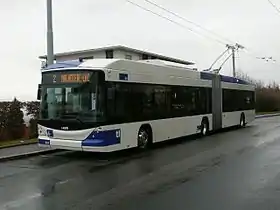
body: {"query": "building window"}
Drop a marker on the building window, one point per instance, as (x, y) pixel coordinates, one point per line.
(109, 54)
(128, 57)
(145, 57)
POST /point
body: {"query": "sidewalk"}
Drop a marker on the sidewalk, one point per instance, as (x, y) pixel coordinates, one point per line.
(267, 115)
(22, 151)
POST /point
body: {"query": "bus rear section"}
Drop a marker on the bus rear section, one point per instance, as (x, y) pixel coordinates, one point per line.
(233, 102)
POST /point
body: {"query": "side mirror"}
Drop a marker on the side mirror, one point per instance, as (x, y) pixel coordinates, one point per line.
(39, 92)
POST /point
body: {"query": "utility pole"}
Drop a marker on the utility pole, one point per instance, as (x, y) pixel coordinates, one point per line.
(233, 63)
(50, 55)
(232, 48)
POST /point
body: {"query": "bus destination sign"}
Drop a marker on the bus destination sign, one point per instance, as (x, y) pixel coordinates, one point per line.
(66, 77)
(74, 78)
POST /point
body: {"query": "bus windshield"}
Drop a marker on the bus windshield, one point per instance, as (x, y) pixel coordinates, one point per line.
(73, 96)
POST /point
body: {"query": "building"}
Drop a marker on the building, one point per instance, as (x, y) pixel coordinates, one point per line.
(118, 52)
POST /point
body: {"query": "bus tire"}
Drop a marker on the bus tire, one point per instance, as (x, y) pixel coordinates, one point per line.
(144, 137)
(204, 127)
(242, 123)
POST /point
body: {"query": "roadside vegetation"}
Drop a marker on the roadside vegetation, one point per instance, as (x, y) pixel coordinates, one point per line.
(267, 96)
(18, 122)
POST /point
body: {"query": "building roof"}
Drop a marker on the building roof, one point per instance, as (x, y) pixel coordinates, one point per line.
(120, 47)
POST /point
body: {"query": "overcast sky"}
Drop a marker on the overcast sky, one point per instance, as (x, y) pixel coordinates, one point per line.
(82, 24)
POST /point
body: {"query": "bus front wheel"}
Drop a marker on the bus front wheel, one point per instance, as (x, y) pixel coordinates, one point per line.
(144, 137)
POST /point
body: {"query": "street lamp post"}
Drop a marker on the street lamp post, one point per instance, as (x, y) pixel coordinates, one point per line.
(50, 55)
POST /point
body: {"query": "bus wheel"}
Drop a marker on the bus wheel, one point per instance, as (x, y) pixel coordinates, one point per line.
(242, 120)
(204, 127)
(143, 137)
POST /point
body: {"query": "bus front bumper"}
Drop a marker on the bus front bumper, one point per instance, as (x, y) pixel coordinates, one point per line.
(74, 145)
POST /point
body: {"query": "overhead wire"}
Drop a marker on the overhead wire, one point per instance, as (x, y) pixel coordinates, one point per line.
(189, 21)
(201, 27)
(175, 22)
(274, 6)
(248, 51)
(263, 58)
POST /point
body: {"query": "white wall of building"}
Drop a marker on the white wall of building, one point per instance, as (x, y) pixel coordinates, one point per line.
(97, 55)
(121, 54)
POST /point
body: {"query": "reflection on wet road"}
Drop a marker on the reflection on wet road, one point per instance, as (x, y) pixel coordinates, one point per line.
(237, 169)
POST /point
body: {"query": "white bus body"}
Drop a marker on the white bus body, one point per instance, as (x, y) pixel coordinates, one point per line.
(167, 83)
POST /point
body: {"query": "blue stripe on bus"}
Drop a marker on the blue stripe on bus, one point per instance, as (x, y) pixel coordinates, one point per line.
(103, 138)
(206, 76)
(43, 141)
(209, 76)
(233, 80)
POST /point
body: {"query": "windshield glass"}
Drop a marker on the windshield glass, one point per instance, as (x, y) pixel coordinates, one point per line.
(73, 95)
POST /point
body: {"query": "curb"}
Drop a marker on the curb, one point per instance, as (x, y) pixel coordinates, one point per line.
(29, 154)
(267, 115)
(18, 145)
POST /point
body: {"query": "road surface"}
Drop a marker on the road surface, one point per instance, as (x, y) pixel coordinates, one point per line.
(237, 169)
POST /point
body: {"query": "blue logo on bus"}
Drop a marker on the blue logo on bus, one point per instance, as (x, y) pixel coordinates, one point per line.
(50, 133)
(123, 76)
(103, 138)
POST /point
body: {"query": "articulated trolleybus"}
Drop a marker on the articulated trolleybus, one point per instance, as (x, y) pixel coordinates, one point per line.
(105, 105)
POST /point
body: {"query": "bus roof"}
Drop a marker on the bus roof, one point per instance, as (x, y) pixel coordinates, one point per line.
(155, 67)
(110, 64)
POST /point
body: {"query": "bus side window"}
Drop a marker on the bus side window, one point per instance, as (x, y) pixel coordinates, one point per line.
(159, 102)
(180, 101)
(111, 105)
(122, 103)
(137, 102)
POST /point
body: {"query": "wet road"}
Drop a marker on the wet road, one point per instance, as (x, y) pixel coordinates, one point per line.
(237, 169)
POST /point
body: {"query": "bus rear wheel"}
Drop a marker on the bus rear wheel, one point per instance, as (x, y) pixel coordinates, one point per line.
(144, 137)
(242, 121)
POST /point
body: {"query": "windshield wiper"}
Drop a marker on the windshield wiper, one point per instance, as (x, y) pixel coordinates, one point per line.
(72, 116)
(68, 115)
(79, 119)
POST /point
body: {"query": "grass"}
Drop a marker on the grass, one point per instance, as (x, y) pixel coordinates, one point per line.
(11, 143)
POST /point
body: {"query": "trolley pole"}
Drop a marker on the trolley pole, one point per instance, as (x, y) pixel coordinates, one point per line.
(50, 55)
